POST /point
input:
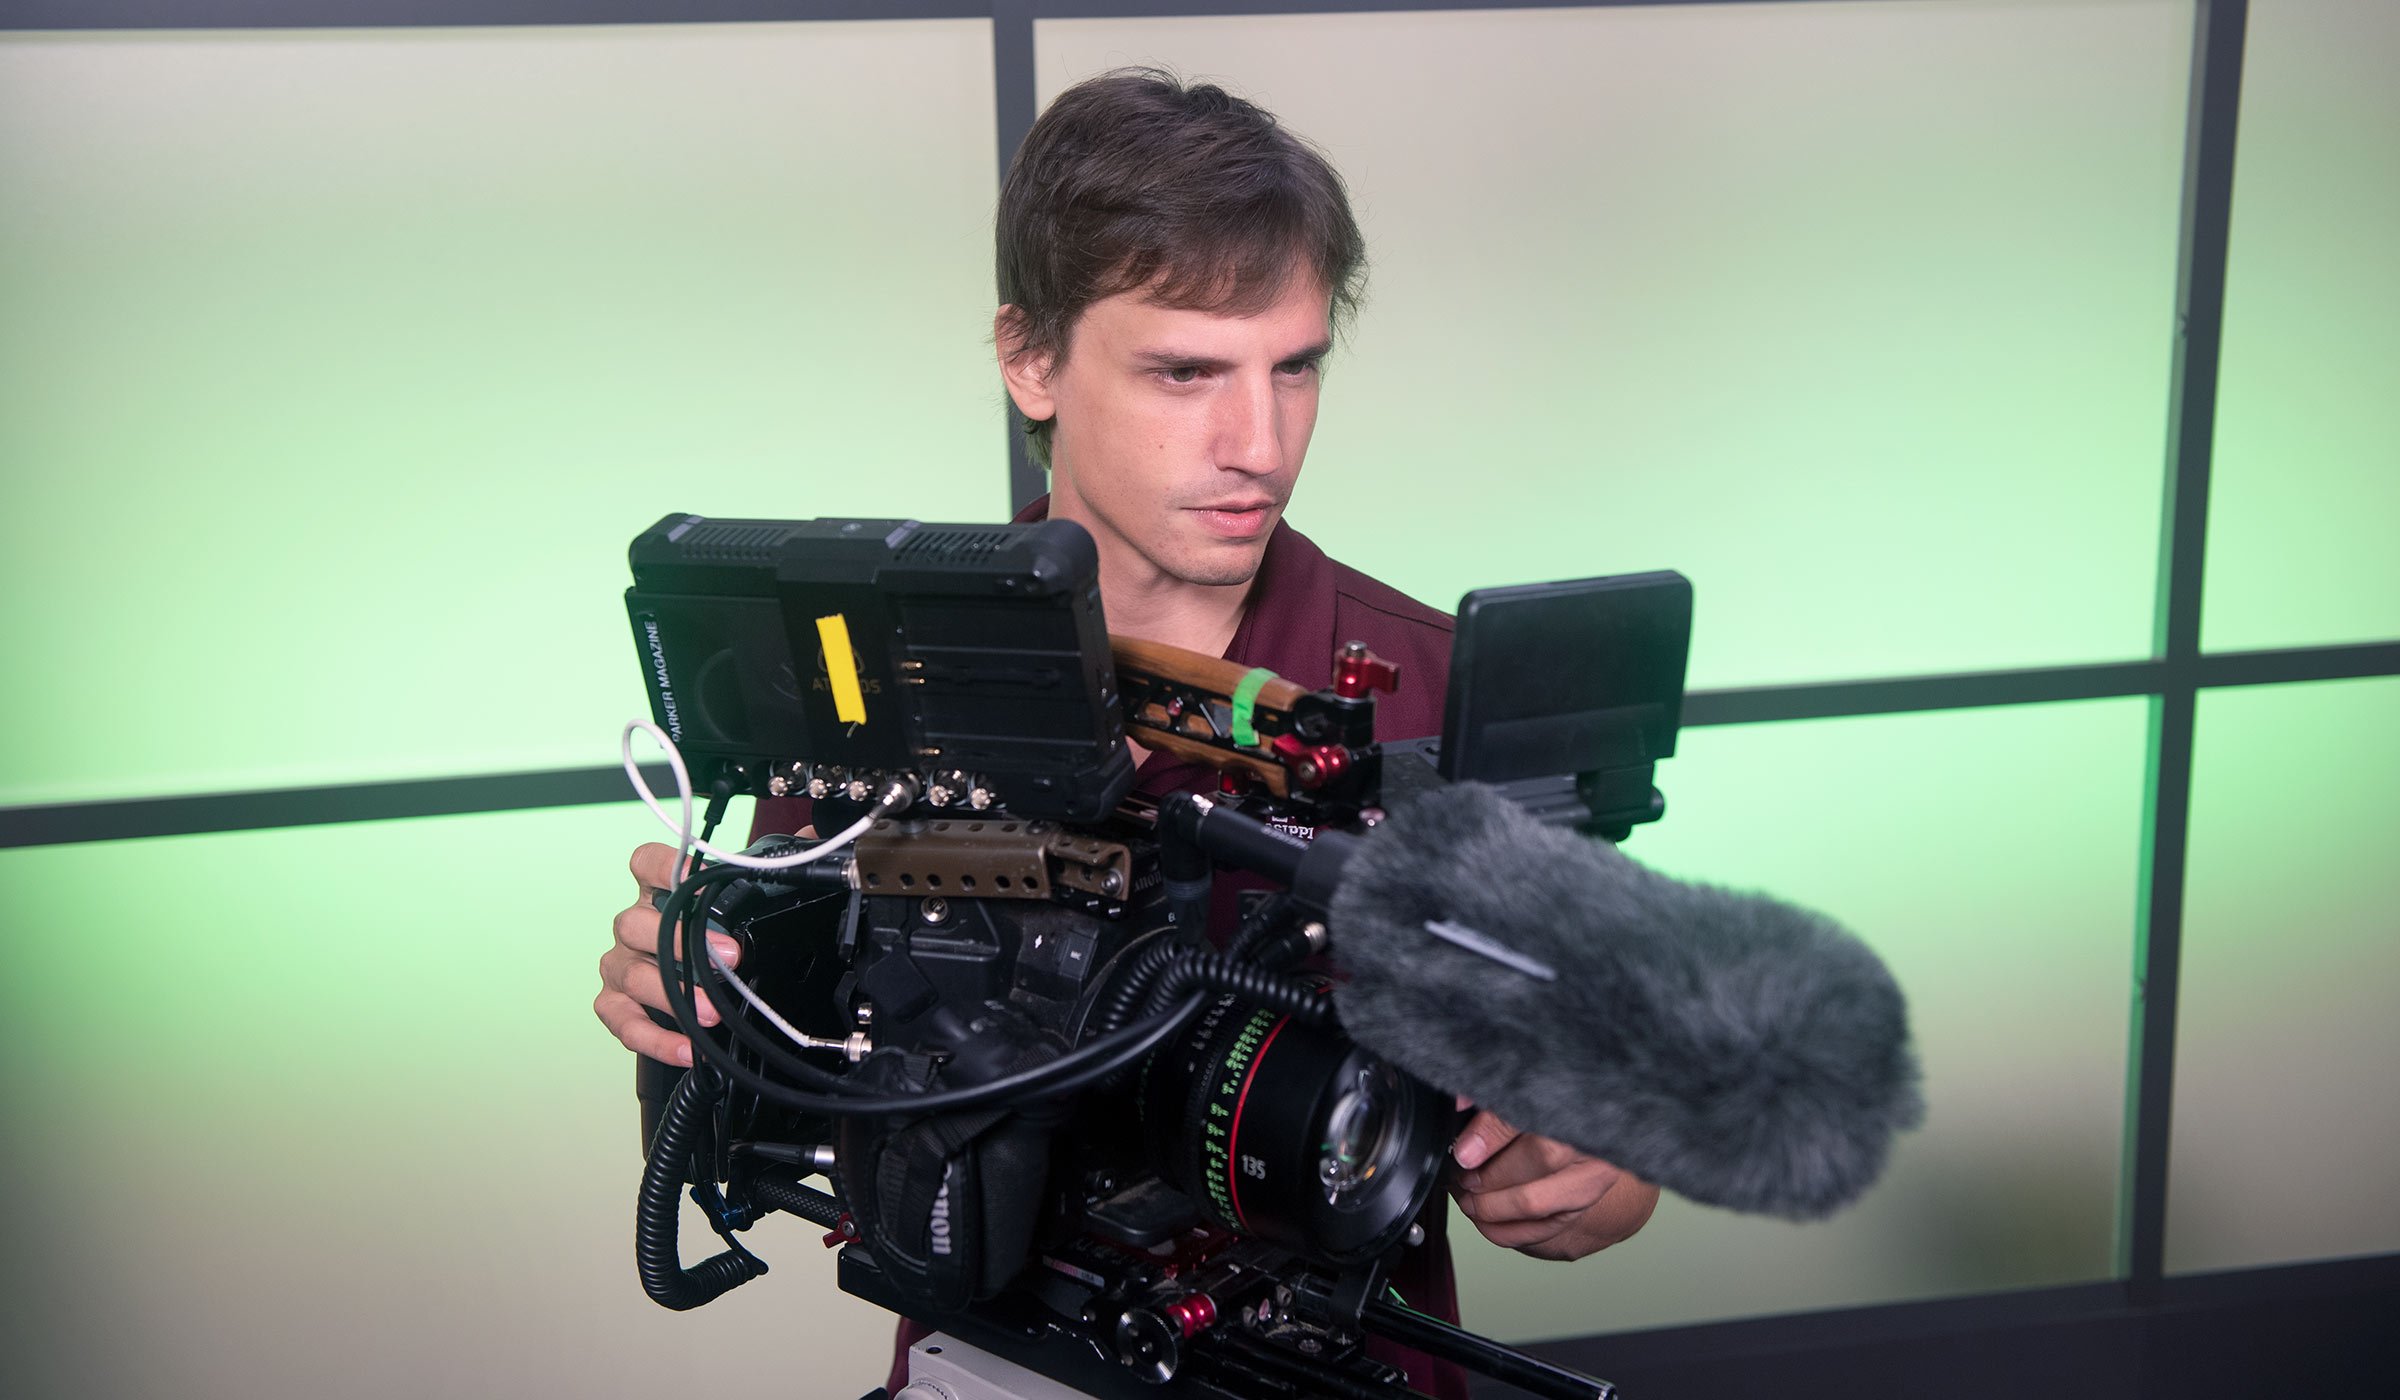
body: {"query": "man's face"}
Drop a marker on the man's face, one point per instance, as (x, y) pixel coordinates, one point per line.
(1180, 433)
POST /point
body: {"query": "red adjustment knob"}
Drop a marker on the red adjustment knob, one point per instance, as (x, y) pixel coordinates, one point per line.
(1311, 765)
(1357, 670)
(1193, 1313)
(843, 1233)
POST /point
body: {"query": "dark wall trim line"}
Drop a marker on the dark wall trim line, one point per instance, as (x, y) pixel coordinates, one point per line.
(129, 818)
(1902, 694)
(1156, 9)
(66, 822)
(2320, 1329)
(2283, 666)
(405, 14)
(2211, 129)
(465, 14)
(2040, 685)
(1013, 100)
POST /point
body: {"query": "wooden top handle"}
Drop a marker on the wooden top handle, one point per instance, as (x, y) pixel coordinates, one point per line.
(1211, 673)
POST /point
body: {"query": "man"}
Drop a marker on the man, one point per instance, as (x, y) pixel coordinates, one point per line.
(1173, 266)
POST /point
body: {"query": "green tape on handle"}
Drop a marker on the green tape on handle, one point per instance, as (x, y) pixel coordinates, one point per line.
(1245, 699)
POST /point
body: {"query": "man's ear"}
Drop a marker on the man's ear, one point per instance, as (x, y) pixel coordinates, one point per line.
(1027, 373)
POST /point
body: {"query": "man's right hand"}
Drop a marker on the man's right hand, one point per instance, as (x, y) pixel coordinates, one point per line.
(629, 978)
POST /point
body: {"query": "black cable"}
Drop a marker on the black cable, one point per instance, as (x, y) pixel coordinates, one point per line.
(734, 1018)
(1219, 972)
(773, 1052)
(1131, 990)
(1083, 1065)
(1127, 994)
(669, 1284)
(720, 797)
(680, 984)
(691, 921)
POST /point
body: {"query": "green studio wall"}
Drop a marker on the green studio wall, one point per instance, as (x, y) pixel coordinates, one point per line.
(2286, 1119)
(1989, 856)
(337, 366)
(2305, 496)
(336, 371)
(1852, 312)
(324, 1111)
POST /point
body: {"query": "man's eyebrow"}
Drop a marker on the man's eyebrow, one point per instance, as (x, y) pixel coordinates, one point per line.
(1169, 358)
(1178, 359)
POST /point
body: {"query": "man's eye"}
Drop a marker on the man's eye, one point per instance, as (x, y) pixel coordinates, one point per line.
(1183, 374)
(1297, 368)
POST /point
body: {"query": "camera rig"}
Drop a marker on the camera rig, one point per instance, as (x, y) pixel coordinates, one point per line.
(1057, 1121)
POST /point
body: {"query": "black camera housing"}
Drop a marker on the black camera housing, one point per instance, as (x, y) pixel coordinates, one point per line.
(1217, 1216)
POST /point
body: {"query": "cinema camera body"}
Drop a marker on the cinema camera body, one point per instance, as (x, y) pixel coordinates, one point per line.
(1057, 1122)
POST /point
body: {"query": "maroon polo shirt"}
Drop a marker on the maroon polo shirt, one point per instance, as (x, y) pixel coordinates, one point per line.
(1302, 606)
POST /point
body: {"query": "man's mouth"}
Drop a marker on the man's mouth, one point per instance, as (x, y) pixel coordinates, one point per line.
(1237, 520)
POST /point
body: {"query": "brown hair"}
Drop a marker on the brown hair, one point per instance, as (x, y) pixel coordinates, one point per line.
(1137, 179)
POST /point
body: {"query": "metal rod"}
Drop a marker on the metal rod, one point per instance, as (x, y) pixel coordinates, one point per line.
(1502, 1363)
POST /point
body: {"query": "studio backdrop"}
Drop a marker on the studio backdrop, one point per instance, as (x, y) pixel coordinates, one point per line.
(341, 354)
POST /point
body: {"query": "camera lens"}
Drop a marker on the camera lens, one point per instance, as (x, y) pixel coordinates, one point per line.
(1358, 1136)
(1292, 1133)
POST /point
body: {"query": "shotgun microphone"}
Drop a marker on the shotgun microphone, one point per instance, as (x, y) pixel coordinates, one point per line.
(1738, 1050)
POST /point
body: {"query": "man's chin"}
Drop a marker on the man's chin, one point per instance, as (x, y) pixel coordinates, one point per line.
(1221, 578)
(1220, 566)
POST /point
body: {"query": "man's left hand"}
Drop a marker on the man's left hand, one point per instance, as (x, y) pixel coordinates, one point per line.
(1542, 1197)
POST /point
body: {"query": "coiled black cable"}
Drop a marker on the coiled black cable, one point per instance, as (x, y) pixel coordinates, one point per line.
(1219, 972)
(1131, 990)
(1135, 984)
(656, 1211)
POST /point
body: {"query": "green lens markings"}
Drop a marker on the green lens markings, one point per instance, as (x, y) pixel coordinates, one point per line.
(1216, 1129)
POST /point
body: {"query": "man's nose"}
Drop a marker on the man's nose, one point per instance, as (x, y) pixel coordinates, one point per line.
(1248, 435)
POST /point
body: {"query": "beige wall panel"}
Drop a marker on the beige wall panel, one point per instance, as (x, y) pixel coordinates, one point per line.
(2287, 1046)
(2304, 497)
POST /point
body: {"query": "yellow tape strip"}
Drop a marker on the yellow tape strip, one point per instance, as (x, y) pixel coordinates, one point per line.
(841, 669)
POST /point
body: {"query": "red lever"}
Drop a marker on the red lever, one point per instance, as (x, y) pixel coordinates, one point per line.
(1311, 765)
(1357, 670)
